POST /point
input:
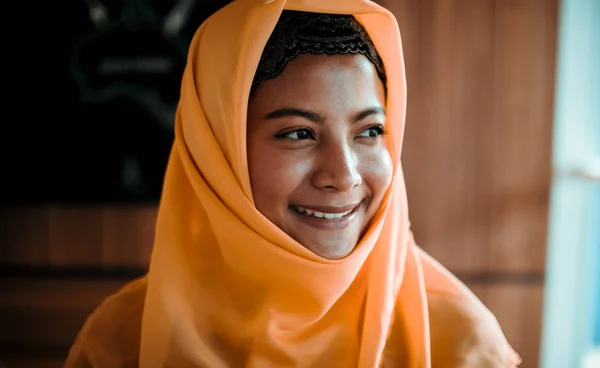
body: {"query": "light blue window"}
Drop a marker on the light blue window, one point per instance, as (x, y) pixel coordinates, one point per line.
(571, 314)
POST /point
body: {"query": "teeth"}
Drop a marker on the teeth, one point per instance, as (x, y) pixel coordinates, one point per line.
(327, 216)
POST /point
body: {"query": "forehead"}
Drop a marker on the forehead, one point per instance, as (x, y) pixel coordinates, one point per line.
(323, 80)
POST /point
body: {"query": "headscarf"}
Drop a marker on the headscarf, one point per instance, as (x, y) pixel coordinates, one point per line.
(226, 287)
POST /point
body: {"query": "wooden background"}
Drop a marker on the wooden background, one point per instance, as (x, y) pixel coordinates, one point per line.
(477, 164)
(477, 152)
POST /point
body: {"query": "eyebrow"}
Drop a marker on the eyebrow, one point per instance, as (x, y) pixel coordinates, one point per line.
(315, 117)
(290, 111)
(368, 112)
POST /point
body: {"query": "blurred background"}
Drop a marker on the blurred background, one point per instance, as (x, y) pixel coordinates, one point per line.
(501, 158)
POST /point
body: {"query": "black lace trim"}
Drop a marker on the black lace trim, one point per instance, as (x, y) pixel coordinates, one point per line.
(299, 33)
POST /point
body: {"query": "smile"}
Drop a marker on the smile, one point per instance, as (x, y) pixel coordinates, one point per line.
(326, 213)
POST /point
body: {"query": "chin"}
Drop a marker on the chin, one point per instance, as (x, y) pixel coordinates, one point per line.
(333, 250)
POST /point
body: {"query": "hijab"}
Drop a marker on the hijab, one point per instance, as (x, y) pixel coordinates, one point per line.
(228, 288)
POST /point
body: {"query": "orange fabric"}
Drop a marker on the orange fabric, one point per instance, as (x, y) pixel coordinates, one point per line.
(227, 288)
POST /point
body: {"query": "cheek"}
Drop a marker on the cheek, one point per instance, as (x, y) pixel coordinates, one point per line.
(377, 171)
(274, 176)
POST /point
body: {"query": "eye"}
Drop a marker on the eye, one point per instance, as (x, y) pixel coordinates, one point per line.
(373, 132)
(296, 135)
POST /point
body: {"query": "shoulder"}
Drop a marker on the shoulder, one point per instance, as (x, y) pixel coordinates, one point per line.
(463, 331)
(110, 336)
(463, 334)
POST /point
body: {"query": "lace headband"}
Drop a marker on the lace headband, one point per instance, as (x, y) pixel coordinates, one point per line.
(299, 33)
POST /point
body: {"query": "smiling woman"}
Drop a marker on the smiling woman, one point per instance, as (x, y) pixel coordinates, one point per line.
(317, 130)
(316, 125)
(283, 238)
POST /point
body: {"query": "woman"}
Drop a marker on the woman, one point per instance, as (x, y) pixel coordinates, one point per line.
(282, 238)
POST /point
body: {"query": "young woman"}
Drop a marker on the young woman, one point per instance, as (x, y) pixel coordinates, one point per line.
(283, 237)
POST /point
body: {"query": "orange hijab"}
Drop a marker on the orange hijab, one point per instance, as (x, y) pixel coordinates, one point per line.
(228, 288)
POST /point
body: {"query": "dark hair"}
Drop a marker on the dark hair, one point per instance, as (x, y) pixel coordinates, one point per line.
(300, 32)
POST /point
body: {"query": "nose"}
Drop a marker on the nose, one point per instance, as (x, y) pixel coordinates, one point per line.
(336, 168)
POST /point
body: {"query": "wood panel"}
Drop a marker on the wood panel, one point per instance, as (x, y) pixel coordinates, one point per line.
(40, 317)
(447, 197)
(32, 363)
(477, 149)
(77, 236)
(519, 140)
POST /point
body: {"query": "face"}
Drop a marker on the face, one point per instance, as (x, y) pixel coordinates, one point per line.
(317, 152)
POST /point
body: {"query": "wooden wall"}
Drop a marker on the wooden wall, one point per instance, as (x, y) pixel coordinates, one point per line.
(477, 165)
(58, 264)
(477, 154)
